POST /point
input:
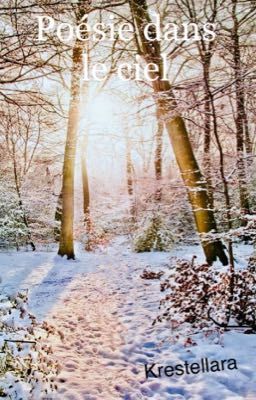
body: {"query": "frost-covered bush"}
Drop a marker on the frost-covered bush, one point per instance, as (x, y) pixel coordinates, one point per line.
(27, 366)
(238, 308)
(188, 293)
(153, 235)
(202, 297)
(92, 235)
(13, 231)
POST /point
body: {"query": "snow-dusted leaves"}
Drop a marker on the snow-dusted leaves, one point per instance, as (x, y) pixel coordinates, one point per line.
(13, 231)
(27, 365)
(202, 297)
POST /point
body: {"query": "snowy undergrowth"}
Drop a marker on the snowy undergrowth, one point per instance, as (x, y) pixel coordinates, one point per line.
(27, 368)
(200, 297)
(106, 310)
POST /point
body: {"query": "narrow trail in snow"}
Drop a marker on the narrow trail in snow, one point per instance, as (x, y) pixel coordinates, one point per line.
(91, 355)
(92, 336)
(105, 316)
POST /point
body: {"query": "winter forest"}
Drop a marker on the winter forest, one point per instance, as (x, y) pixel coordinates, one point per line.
(128, 199)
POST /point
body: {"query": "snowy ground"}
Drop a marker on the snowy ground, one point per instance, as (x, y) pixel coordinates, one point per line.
(105, 310)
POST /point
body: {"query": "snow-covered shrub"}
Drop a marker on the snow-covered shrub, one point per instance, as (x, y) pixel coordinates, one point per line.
(92, 235)
(153, 235)
(188, 293)
(203, 297)
(27, 367)
(13, 231)
(239, 307)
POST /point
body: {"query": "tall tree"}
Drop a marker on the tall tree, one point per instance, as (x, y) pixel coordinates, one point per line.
(240, 118)
(167, 109)
(66, 245)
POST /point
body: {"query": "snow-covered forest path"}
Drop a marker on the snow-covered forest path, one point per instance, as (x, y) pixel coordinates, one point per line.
(105, 312)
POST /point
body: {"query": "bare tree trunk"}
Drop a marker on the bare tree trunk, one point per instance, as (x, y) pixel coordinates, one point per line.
(86, 192)
(248, 141)
(66, 246)
(129, 168)
(240, 119)
(129, 177)
(228, 206)
(225, 184)
(58, 218)
(167, 109)
(158, 159)
(206, 59)
(86, 195)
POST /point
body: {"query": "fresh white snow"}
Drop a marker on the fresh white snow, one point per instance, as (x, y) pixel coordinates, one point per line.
(105, 312)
